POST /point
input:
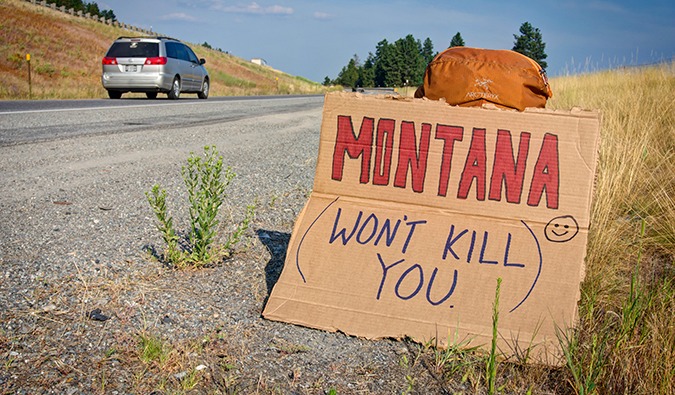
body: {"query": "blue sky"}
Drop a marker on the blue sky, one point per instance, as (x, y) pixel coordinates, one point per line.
(315, 39)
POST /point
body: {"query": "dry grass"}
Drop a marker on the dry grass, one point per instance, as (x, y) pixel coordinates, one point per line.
(626, 336)
(66, 54)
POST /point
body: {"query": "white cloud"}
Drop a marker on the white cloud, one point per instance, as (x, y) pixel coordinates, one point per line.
(322, 15)
(178, 16)
(277, 9)
(252, 8)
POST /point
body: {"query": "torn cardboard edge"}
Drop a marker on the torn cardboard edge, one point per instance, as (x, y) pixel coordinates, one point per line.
(373, 257)
(576, 111)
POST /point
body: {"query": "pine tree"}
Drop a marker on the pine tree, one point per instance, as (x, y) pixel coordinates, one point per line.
(349, 75)
(393, 64)
(109, 14)
(367, 72)
(530, 44)
(92, 8)
(409, 61)
(386, 69)
(457, 41)
(428, 51)
(77, 5)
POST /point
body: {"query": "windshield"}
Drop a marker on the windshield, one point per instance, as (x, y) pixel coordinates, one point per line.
(133, 49)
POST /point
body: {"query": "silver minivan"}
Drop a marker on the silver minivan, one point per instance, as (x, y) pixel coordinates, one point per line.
(153, 65)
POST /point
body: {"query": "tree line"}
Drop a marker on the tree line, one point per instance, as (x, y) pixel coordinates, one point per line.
(86, 7)
(402, 63)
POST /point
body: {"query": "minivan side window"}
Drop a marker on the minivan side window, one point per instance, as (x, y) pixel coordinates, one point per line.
(171, 50)
(192, 57)
(182, 53)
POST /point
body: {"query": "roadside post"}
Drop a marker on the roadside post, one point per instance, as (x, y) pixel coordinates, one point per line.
(30, 85)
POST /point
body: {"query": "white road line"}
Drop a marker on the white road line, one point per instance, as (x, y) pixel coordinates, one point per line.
(102, 108)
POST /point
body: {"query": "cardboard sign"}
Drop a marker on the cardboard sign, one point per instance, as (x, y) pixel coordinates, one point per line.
(419, 207)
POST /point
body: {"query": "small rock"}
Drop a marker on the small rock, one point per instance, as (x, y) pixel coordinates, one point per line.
(97, 315)
(49, 308)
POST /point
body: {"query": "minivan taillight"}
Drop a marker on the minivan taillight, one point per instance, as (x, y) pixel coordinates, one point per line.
(108, 60)
(156, 60)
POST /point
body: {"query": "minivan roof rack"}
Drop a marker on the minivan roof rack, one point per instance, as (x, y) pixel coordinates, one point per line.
(155, 37)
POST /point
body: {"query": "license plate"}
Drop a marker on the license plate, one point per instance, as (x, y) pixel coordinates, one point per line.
(130, 68)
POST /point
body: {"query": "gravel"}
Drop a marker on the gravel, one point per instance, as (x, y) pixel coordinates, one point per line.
(83, 298)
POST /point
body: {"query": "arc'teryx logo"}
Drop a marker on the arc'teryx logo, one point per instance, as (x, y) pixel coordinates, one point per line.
(484, 84)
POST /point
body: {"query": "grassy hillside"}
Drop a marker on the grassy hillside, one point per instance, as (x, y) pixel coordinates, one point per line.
(66, 54)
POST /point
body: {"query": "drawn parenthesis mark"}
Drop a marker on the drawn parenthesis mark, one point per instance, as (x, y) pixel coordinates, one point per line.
(297, 252)
(541, 261)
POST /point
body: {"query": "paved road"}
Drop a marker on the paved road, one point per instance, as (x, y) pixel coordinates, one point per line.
(63, 164)
(45, 120)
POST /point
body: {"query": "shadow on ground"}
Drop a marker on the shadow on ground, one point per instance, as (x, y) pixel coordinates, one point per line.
(277, 244)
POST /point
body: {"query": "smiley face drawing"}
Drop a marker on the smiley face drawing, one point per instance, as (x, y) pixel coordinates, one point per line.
(561, 229)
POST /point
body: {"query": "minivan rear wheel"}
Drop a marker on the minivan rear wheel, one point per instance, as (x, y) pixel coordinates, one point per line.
(204, 93)
(114, 94)
(174, 93)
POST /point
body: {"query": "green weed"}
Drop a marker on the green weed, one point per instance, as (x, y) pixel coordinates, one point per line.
(491, 364)
(16, 60)
(45, 68)
(157, 199)
(206, 182)
(190, 380)
(288, 348)
(455, 357)
(584, 359)
(239, 231)
(152, 349)
(410, 384)
(229, 80)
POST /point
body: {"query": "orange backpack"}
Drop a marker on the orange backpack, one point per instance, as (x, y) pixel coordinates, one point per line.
(471, 77)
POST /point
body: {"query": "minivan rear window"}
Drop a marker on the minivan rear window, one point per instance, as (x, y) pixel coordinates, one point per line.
(133, 49)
